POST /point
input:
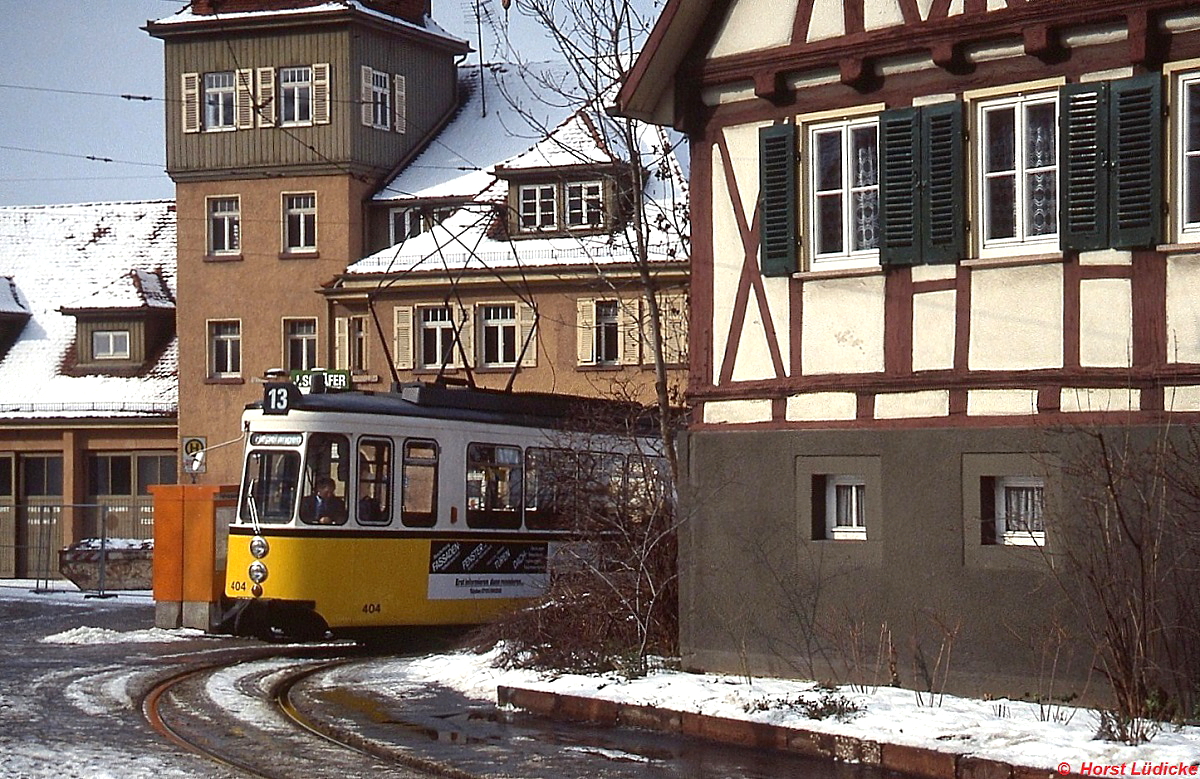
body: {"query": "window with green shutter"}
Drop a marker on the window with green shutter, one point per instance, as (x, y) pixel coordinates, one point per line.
(1111, 150)
(922, 182)
(777, 193)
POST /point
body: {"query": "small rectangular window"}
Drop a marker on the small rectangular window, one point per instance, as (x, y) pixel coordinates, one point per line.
(499, 323)
(300, 222)
(224, 225)
(155, 469)
(845, 507)
(225, 349)
(1020, 502)
(607, 332)
(405, 223)
(110, 474)
(300, 344)
(1018, 181)
(357, 342)
(585, 204)
(436, 337)
(538, 207)
(1189, 164)
(218, 100)
(843, 161)
(381, 104)
(296, 95)
(110, 345)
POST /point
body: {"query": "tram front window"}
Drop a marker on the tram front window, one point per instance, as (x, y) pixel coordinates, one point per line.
(326, 471)
(269, 488)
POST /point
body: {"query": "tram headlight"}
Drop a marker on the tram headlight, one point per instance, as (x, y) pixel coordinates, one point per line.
(257, 572)
(259, 547)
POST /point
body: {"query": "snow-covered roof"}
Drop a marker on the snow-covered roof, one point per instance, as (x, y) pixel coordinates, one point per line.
(134, 289)
(10, 300)
(516, 120)
(188, 16)
(97, 255)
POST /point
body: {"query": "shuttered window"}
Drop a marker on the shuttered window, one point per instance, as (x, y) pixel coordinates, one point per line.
(777, 191)
(1112, 163)
(922, 184)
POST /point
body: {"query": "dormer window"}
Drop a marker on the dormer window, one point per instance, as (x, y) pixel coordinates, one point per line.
(110, 345)
(539, 207)
(585, 204)
(563, 206)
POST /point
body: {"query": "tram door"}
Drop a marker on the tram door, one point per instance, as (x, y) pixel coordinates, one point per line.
(8, 517)
(39, 511)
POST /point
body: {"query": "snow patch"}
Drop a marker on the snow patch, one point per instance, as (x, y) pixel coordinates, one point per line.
(87, 635)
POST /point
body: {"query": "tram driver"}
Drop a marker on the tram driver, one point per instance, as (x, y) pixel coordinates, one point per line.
(323, 507)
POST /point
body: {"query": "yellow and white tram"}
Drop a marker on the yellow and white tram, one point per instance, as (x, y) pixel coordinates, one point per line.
(433, 505)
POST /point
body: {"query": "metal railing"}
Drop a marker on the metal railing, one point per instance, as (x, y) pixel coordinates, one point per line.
(31, 533)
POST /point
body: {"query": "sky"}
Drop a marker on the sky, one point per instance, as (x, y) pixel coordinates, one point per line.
(64, 65)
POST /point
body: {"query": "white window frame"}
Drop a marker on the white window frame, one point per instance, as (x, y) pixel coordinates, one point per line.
(845, 190)
(1185, 158)
(301, 236)
(606, 332)
(437, 321)
(307, 342)
(381, 102)
(493, 320)
(537, 208)
(1025, 239)
(110, 345)
(409, 220)
(585, 205)
(219, 116)
(224, 348)
(357, 357)
(1020, 536)
(295, 96)
(835, 498)
(226, 223)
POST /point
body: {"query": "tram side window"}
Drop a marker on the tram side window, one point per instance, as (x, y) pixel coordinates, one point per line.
(374, 481)
(269, 487)
(549, 478)
(326, 471)
(600, 486)
(419, 507)
(493, 486)
(646, 487)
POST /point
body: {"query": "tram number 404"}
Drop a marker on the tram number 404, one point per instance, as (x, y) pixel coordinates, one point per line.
(372, 608)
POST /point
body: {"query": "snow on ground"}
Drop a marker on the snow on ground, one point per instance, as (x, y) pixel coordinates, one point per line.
(1017, 732)
(86, 635)
(1012, 731)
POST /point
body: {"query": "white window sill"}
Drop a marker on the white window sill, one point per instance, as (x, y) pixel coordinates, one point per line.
(1024, 539)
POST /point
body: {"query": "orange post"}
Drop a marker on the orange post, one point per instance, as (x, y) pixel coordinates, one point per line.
(190, 522)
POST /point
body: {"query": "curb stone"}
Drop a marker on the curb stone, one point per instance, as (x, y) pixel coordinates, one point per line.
(916, 761)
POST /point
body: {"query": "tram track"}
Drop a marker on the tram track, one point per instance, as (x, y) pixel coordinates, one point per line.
(269, 734)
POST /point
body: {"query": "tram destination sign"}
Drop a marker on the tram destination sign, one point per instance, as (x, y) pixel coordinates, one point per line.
(486, 569)
(334, 380)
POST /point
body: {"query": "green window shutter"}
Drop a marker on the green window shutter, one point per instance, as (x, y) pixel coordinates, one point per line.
(943, 172)
(777, 194)
(899, 166)
(1083, 187)
(1136, 154)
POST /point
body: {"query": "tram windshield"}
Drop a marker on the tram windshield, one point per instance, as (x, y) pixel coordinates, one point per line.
(269, 487)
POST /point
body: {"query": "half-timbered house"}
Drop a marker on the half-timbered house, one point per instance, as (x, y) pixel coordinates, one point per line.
(934, 241)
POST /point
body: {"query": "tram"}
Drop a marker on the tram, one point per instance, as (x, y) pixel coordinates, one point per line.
(428, 505)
